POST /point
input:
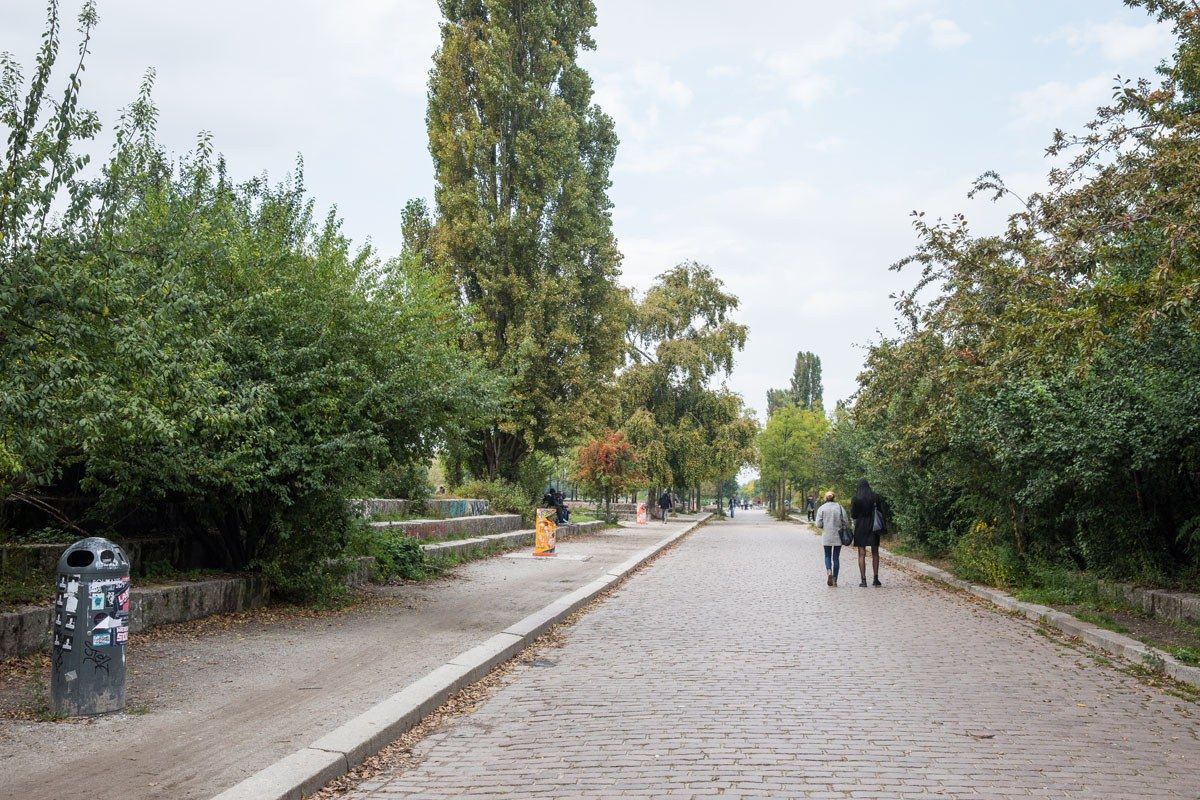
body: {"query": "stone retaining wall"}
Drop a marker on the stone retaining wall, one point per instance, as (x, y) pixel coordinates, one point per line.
(1174, 606)
(481, 544)
(25, 558)
(618, 510)
(444, 508)
(458, 527)
(28, 631)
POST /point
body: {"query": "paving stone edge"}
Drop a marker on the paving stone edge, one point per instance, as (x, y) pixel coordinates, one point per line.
(307, 770)
(1111, 642)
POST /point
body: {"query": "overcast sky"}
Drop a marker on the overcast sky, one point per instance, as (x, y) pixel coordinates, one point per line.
(782, 142)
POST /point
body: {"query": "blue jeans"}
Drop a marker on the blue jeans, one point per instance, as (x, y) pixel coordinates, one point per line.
(833, 558)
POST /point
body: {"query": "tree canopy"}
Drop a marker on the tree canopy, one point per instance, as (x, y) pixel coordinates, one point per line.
(681, 337)
(182, 352)
(523, 226)
(1044, 382)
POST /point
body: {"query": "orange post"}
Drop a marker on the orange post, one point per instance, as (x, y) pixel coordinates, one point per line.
(543, 533)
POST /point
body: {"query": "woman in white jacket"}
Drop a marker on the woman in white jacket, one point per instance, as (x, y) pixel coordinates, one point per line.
(831, 519)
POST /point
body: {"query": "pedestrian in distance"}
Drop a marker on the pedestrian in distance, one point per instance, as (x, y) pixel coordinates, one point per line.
(868, 527)
(832, 520)
(810, 506)
(731, 505)
(665, 505)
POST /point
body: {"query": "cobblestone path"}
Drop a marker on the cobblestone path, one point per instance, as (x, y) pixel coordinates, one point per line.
(730, 669)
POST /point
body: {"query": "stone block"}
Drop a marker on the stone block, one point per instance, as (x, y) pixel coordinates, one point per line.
(459, 527)
(540, 621)
(291, 778)
(483, 658)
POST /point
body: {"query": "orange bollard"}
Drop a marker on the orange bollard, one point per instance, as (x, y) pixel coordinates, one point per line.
(641, 514)
(543, 534)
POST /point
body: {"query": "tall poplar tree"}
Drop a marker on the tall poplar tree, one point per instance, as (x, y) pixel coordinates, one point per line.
(807, 391)
(523, 226)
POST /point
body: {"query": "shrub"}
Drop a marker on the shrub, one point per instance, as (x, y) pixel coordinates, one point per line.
(210, 357)
(505, 497)
(400, 556)
(981, 556)
(409, 481)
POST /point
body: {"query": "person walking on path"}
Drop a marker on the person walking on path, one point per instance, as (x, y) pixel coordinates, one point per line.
(831, 519)
(731, 504)
(868, 525)
(664, 505)
(810, 506)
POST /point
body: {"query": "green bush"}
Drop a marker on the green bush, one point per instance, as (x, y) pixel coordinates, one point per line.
(310, 558)
(400, 556)
(505, 497)
(1045, 376)
(981, 557)
(407, 480)
(211, 357)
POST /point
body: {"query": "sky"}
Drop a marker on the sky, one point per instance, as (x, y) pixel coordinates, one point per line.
(784, 143)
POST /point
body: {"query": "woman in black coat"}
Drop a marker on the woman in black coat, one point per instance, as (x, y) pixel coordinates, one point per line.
(864, 507)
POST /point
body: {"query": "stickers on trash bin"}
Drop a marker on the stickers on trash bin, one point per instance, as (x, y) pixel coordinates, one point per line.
(114, 593)
(66, 603)
(102, 639)
(69, 597)
(105, 622)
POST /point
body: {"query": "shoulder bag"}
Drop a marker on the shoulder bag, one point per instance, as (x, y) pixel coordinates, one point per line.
(844, 533)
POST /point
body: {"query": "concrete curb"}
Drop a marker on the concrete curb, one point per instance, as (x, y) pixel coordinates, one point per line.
(1111, 642)
(347, 746)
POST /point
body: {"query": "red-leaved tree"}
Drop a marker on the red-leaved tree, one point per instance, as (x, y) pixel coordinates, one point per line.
(606, 466)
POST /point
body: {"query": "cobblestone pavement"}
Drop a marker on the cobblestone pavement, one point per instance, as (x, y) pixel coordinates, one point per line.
(730, 669)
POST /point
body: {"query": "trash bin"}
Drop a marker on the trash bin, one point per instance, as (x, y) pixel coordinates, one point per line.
(91, 629)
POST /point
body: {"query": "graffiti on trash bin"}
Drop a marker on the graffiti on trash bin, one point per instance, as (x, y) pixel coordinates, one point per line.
(98, 659)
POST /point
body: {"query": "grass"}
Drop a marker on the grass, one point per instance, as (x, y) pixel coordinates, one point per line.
(1086, 596)
(26, 589)
(396, 517)
(162, 571)
(1188, 655)
(1101, 621)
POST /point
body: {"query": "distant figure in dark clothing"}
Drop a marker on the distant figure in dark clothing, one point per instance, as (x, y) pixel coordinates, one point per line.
(554, 499)
(868, 525)
(665, 504)
(560, 503)
(810, 506)
(731, 505)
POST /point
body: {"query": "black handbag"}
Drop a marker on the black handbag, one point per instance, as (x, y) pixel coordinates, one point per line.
(844, 532)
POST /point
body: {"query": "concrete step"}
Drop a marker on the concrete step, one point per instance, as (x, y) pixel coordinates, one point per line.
(455, 528)
(442, 508)
(466, 548)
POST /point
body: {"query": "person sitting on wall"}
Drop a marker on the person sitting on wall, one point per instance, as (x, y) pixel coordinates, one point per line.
(560, 503)
(554, 499)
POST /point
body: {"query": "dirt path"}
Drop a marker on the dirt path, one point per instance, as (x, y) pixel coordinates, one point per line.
(215, 701)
